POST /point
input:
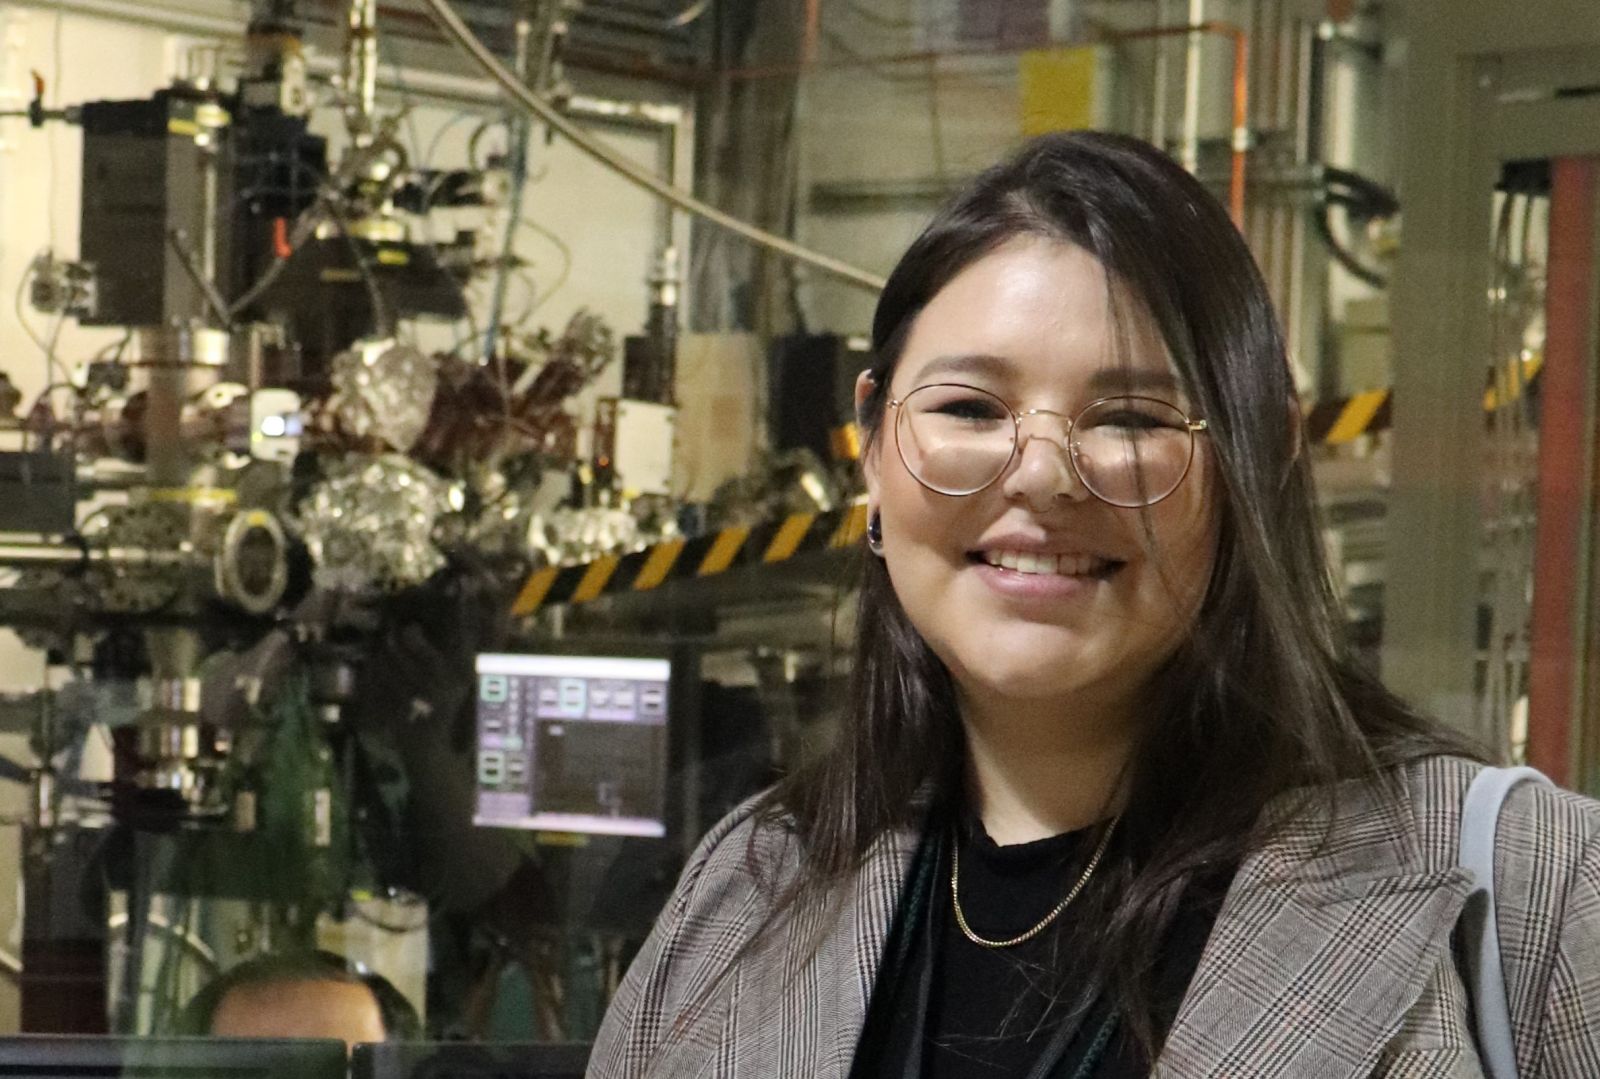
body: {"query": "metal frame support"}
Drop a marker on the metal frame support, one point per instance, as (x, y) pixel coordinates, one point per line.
(1472, 101)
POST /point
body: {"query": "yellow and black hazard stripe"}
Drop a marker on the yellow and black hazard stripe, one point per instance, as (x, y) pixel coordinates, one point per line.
(767, 543)
(1335, 423)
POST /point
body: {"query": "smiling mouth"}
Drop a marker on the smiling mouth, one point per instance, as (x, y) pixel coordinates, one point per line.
(1048, 565)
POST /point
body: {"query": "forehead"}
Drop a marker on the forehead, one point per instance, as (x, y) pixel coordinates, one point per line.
(1034, 310)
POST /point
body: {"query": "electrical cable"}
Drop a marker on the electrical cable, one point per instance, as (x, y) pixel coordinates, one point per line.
(305, 227)
(521, 133)
(114, 350)
(1323, 220)
(56, 376)
(888, 22)
(208, 288)
(53, 368)
(408, 103)
(473, 161)
(56, 51)
(407, 106)
(1358, 192)
(384, 321)
(689, 15)
(324, 208)
(426, 160)
(445, 16)
(566, 264)
(530, 290)
(1361, 198)
(1335, 186)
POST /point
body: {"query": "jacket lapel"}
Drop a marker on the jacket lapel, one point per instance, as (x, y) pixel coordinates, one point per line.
(870, 915)
(801, 1008)
(1325, 939)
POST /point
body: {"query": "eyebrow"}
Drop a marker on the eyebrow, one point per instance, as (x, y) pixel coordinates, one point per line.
(971, 363)
(1105, 380)
(1132, 380)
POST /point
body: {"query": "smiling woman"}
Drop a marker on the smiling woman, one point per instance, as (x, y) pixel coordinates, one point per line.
(1113, 795)
(1029, 544)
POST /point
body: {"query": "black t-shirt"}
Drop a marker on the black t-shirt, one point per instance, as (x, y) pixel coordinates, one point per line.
(992, 1013)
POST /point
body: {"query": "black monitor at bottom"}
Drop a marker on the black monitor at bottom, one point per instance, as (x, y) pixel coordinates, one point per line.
(74, 1056)
(468, 1060)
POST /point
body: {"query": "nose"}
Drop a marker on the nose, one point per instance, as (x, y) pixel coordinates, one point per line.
(1042, 472)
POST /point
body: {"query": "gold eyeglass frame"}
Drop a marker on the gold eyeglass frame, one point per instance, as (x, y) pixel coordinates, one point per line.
(1191, 425)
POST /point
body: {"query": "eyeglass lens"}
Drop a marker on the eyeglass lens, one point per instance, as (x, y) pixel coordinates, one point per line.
(1129, 451)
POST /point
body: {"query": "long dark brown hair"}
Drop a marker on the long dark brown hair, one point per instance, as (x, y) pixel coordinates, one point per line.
(1264, 698)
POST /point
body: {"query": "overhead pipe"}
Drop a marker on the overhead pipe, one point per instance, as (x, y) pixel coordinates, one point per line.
(1240, 138)
(1158, 89)
(1192, 56)
(448, 21)
(361, 68)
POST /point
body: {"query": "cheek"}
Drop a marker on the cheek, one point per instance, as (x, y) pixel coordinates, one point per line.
(1180, 539)
(913, 516)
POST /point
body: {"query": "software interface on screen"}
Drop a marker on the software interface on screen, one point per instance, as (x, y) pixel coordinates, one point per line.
(572, 744)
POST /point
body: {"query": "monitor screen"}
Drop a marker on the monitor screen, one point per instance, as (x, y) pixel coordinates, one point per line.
(572, 744)
(468, 1060)
(84, 1056)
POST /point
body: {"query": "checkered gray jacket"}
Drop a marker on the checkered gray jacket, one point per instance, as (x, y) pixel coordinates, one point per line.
(1329, 959)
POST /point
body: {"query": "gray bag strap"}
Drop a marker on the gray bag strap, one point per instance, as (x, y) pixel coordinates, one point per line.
(1486, 978)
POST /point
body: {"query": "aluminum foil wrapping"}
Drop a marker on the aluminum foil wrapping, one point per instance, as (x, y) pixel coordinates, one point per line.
(370, 523)
(384, 391)
(567, 536)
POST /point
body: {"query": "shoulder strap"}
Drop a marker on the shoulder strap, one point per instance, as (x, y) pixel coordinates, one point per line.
(1486, 978)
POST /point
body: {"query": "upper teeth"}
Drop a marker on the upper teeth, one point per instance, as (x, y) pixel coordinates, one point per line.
(1067, 565)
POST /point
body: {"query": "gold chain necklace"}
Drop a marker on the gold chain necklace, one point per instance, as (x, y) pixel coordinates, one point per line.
(961, 919)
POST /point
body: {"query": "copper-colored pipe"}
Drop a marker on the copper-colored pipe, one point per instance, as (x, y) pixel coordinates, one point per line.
(1241, 96)
(1241, 125)
(813, 34)
(790, 70)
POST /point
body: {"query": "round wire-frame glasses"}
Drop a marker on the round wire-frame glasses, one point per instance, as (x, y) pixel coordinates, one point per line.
(1127, 450)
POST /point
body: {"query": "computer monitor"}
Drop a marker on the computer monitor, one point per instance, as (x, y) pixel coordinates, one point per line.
(572, 744)
(84, 1056)
(468, 1060)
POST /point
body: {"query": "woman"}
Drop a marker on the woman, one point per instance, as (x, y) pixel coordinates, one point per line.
(1112, 794)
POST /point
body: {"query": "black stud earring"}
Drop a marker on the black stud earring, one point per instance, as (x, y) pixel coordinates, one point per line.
(875, 533)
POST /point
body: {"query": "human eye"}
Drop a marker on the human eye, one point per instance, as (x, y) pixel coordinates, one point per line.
(971, 408)
(1134, 416)
(960, 403)
(1131, 418)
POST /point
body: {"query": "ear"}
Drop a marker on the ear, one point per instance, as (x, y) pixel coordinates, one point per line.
(865, 385)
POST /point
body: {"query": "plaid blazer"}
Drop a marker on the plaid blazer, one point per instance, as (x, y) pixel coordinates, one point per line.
(1328, 959)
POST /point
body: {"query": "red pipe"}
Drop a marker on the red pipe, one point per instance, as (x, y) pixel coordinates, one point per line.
(1560, 497)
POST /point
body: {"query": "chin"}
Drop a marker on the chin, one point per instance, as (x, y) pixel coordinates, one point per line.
(1000, 669)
